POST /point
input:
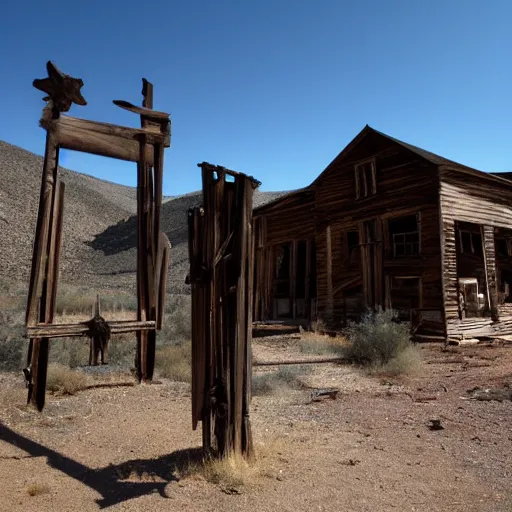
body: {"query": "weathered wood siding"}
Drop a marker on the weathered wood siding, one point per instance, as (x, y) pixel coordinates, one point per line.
(406, 184)
(289, 220)
(467, 197)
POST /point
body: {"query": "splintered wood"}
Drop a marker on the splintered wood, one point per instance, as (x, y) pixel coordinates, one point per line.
(144, 146)
(221, 275)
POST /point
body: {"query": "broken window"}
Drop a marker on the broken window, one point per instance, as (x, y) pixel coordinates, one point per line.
(471, 242)
(405, 235)
(353, 248)
(366, 182)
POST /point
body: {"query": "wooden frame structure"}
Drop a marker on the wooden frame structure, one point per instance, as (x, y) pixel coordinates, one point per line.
(221, 275)
(145, 146)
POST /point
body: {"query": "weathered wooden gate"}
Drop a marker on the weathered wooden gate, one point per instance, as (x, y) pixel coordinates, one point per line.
(221, 275)
(144, 146)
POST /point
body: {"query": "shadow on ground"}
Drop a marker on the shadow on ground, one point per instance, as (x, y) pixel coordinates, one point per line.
(110, 481)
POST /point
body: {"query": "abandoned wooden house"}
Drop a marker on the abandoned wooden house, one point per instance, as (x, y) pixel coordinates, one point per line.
(389, 224)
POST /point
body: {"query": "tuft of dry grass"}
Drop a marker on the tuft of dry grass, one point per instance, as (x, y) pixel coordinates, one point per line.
(285, 378)
(174, 362)
(406, 362)
(37, 489)
(235, 472)
(64, 381)
(321, 344)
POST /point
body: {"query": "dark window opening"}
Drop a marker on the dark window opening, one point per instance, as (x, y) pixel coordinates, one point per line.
(300, 277)
(282, 271)
(405, 235)
(471, 243)
(366, 183)
(353, 248)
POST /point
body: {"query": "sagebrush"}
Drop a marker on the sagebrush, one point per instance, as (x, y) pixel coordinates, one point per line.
(378, 339)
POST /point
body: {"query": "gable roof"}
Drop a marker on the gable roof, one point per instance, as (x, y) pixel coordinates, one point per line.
(434, 159)
(503, 177)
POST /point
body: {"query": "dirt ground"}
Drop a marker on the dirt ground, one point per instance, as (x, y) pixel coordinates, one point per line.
(371, 449)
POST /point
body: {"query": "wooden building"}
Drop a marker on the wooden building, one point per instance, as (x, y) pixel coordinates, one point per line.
(389, 224)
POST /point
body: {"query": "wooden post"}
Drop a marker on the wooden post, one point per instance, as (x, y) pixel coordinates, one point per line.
(221, 255)
(43, 281)
(144, 146)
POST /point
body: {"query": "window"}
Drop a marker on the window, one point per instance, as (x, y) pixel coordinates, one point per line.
(404, 234)
(353, 247)
(366, 183)
(471, 243)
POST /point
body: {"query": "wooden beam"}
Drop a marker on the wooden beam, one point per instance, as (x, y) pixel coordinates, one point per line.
(104, 139)
(81, 329)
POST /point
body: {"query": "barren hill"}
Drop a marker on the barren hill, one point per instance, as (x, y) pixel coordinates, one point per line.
(99, 243)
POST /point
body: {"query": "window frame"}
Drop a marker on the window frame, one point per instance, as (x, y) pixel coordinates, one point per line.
(391, 235)
(360, 170)
(471, 235)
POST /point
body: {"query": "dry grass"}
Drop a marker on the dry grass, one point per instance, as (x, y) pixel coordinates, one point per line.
(37, 489)
(64, 381)
(321, 344)
(284, 379)
(174, 362)
(407, 362)
(235, 472)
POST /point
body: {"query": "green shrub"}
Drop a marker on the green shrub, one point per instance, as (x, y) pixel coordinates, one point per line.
(377, 338)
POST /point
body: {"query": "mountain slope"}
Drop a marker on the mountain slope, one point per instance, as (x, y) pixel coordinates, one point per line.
(99, 239)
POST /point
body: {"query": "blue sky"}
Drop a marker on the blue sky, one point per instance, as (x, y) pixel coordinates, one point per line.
(271, 88)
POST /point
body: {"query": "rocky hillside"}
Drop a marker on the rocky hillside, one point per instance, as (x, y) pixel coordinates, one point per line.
(99, 244)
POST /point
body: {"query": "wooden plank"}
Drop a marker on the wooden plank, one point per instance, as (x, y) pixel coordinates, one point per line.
(142, 269)
(70, 330)
(55, 251)
(37, 277)
(40, 295)
(162, 279)
(104, 139)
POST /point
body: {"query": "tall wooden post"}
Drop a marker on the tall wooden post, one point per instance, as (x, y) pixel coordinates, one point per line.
(144, 146)
(221, 272)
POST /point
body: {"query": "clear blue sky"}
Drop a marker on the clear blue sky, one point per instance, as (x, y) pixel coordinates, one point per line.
(273, 88)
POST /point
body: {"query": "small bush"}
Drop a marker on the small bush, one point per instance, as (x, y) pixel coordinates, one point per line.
(64, 381)
(378, 338)
(382, 343)
(287, 377)
(174, 362)
(406, 362)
